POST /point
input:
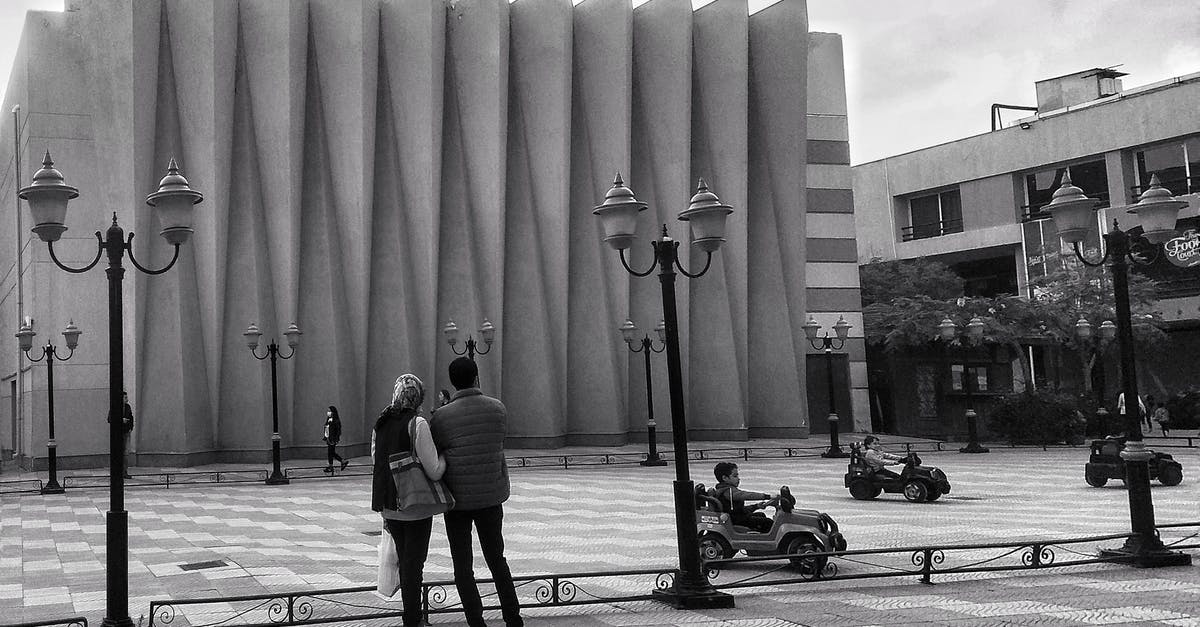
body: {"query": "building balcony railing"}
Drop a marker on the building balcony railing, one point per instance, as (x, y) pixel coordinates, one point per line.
(1178, 186)
(931, 229)
(1037, 211)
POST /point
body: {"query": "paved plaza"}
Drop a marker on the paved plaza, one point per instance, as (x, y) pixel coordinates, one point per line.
(238, 539)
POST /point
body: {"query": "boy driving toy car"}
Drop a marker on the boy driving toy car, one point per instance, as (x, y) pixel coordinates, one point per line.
(733, 499)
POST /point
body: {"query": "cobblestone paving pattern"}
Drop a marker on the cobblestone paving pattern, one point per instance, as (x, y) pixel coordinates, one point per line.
(320, 533)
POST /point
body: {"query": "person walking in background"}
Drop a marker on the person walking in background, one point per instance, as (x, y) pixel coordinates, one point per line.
(127, 422)
(409, 530)
(470, 433)
(443, 397)
(1163, 418)
(1141, 408)
(332, 435)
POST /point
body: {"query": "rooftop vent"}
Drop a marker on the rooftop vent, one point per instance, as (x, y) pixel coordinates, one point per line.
(1072, 89)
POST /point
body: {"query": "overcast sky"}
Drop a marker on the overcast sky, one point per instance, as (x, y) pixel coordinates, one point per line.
(923, 72)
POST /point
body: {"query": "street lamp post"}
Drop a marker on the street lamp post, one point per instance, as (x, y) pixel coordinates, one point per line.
(629, 331)
(293, 339)
(1074, 215)
(706, 216)
(487, 332)
(49, 352)
(47, 197)
(829, 344)
(947, 331)
(1108, 331)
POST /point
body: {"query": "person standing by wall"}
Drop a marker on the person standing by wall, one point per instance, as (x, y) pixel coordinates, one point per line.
(127, 421)
(333, 433)
(410, 531)
(470, 433)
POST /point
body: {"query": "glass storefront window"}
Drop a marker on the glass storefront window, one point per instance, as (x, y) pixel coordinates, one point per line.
(1176, 163)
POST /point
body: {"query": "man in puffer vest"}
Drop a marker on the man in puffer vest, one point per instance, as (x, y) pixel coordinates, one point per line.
(469, 431)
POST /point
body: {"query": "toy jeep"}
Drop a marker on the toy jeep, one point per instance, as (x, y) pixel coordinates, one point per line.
(917, 483)
(796, 532)
(1106, 463)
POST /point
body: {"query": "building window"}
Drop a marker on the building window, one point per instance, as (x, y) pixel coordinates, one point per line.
(933, 215)
(1090, 176)
(1177, 165)
(977, 376)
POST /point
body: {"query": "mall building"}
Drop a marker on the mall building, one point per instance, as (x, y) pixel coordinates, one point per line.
(372, 169)
(977, 205)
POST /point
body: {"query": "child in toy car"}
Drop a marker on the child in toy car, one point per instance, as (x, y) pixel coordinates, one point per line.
(733, 499)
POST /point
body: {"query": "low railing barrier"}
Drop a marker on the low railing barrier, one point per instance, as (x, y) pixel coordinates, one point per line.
(74, 621)
(360, 604)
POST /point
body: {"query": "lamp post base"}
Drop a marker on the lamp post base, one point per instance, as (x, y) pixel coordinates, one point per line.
(653, 461)
(1147, 559)
(973, 447)
(835, 452)
(52, 488)
(694, 600)
(117, 622)
(277, 478)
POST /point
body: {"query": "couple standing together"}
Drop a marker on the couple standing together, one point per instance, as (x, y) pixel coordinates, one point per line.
(469, 433)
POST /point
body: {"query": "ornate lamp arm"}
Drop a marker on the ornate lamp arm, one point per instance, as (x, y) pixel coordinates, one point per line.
(129, 247)
(465, 350)
(707, 263)
(653, 264)
(60, 357)
(99, 253)
(289, 355)
(1079, 254)
(254, 351)
(45, 352)
(660, 349)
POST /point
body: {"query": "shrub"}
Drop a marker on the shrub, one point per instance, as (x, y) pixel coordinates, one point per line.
(1037, 417)
(1185, 410)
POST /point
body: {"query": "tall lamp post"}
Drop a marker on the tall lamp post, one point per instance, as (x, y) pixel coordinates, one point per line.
(706, 215)
(487, 332)
(629, 331)
(841, 330)
(47, 197)
(1074, 215)
(948, 331)
(49, 352)
(293, 339)
(1108, 331)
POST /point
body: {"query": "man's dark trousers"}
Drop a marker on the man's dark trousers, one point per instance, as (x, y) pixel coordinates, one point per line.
(489, 525)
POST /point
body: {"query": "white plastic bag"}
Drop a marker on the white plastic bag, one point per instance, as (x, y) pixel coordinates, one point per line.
(387, 582)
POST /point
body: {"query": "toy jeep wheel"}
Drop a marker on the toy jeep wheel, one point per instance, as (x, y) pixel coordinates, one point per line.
(811, 566)
(863, 490)
(1170, 475)
(1094, 480)
(915, 491)
(714, 547)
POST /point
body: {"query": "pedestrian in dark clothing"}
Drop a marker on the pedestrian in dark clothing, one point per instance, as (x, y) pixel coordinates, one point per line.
(470, 433)
(333, 434)
(409, 530)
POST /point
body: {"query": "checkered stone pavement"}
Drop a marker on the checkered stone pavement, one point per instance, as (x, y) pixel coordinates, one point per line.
(239, 539)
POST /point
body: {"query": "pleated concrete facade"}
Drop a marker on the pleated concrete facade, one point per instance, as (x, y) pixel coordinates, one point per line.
(374, 168)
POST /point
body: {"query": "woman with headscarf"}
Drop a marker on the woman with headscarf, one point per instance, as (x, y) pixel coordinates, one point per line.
(410, 531)
(333, 433)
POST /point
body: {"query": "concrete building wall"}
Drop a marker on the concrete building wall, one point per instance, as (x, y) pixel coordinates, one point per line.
(372, 169)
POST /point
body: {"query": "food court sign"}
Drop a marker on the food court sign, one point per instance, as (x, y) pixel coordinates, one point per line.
(1184, 251)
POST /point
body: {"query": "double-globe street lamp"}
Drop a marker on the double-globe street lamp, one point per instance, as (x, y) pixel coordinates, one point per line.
(1108, 331)
(947, 332)
(841, 330)
(1074, 214)
(293, 339)
(487, 332)
(49, 352)
(47, 197)
(629, 332)
(706, 215)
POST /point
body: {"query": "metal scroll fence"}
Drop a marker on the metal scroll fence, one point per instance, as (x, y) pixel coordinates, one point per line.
(922, 563)
(74, 621)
